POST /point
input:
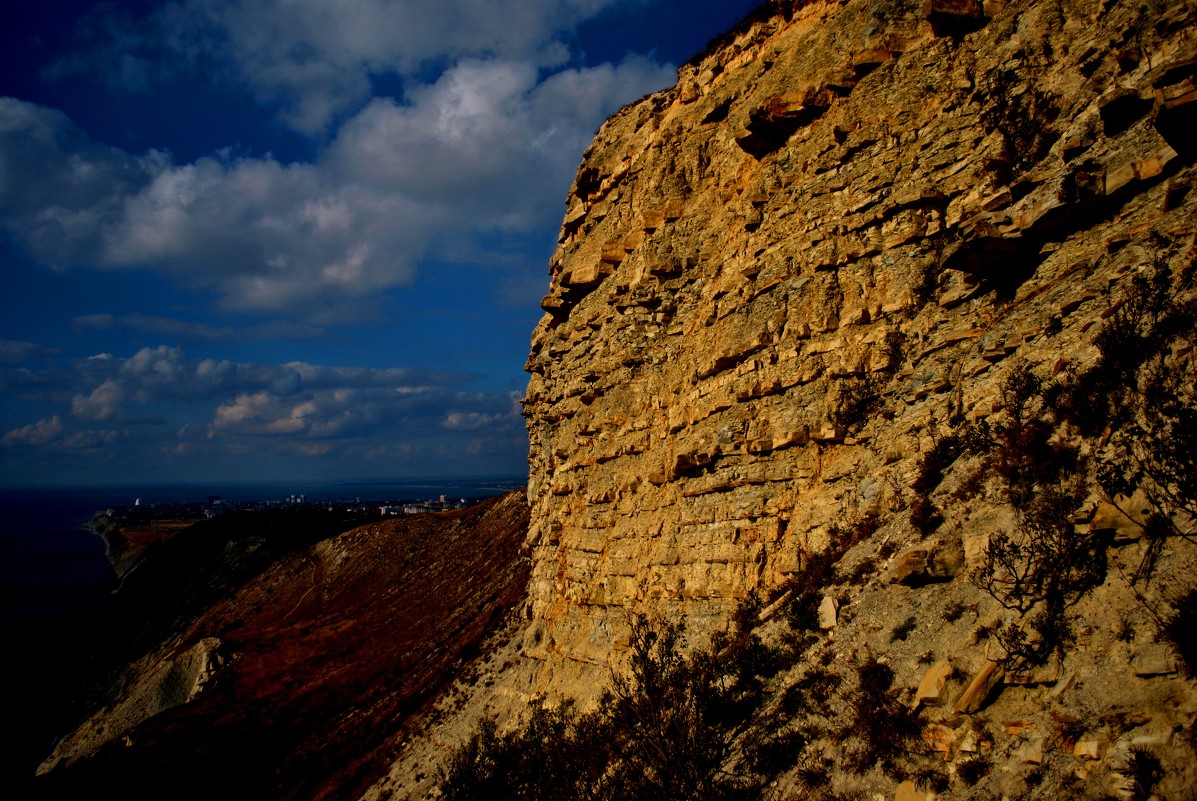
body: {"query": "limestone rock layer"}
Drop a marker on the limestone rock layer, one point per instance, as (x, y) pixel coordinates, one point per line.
(780, 280)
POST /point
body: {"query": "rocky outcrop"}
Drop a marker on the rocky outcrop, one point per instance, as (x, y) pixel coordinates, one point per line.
(781, 281)
(175, 680)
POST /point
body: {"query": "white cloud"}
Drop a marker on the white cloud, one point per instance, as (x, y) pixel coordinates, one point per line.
(313, 60)
(102, 403)
(58, 189)
(487, 147)
(39, 433)
(161, 404)
(489, 138)
(89, 440)
(317, 58)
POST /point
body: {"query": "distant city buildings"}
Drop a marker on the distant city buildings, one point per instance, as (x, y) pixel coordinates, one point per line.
(154, 513)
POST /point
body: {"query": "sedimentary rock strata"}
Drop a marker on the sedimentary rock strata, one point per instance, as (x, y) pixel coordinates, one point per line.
(781, 280)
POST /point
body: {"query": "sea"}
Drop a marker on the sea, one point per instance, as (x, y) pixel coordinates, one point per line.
(56, 585)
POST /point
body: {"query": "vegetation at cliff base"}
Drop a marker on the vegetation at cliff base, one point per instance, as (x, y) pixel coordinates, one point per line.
(665, 730)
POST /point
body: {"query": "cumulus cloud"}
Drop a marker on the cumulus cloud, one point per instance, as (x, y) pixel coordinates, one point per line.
(39, 433)
(490, 135)
(102, 403)
(485, 115)
(488, 146)
(207, 410)
(317, 60)
(59, 190)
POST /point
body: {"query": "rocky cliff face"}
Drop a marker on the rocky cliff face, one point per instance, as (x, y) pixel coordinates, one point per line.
(780, 283)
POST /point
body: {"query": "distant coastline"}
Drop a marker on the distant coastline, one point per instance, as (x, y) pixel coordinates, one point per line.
(57, 569)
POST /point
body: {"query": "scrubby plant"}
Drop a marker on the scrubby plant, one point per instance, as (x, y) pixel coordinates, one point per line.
(928, 775)
(778, 751)
(1021, 449)
(1145, 771)
(857, 400)
(894, 346)
(932, 467)
(882, 725)
(1022, 114)
(673, 720)
(817, 572)
(954, 611)
(1039, 570)
(1043, 565)
(1137, 391)
(665, 730)
(529, 762)
(973, 770)
(814, 769)
(925, 515)
(810, 694)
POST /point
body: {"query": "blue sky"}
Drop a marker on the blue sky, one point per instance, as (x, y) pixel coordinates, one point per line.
(293, 239)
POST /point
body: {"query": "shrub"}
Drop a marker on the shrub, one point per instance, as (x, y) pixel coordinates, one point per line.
(814, 769)
(973, 770)
(933, 464)
(1144, 770)
(954, 611)
(884, 725)
(818, 572)
(857, 400)
(779, 751)
(1022, 115)
(1039, 570)
(929, 776)
(528, 763)
(665, 731)
(1021, 449)
(1043, 566)
(894, 348)
(810, 694)
(1146, 398)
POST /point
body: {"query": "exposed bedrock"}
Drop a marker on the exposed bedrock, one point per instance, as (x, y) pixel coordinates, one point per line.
(896, 199)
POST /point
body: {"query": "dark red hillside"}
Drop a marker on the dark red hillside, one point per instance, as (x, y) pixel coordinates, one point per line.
(335, 647)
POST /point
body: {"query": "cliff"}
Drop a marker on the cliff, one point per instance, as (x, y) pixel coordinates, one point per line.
(905, 287)
(862, 199)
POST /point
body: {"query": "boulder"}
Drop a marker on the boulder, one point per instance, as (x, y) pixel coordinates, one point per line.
(974, 695)
(933, 682)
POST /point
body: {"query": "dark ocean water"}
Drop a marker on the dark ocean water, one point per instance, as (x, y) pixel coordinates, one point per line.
(55, 584)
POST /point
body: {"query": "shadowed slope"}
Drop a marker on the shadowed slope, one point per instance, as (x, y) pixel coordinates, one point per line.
(330, 652)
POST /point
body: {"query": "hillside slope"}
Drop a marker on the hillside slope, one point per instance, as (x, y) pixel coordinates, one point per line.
(293, 684)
